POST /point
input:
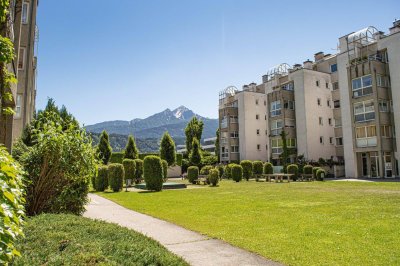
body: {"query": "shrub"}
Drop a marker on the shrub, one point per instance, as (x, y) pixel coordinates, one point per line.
(209, 160)
(321, 174)
(185, 165)
(143, 155)
(179, 158)
(138, 171)
(167, 149)
(101, 182)
(117, 157)
(165, 170)
(221, 170)
(193, 173)
(116, 175)
(308, 169)
(195, 154)
(293, 169)
(131, 152)
(247, 169)
(268, 168)
(237, 172)
(314, 171)
(206, 170)
(257, 169)
(153, 172)
(228, 171)
(104, 149)
(213, 177)
(12, 205)
(129, 168)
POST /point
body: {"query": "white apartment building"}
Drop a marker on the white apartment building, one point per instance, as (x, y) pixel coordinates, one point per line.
(338, 107)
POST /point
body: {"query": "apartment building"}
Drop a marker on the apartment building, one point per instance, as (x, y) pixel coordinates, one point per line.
(23, 31)
(338, 107)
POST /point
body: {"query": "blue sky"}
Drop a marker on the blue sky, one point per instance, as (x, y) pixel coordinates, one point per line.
(125, 59)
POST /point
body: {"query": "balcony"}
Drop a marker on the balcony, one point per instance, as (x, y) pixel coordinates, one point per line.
(366, 142)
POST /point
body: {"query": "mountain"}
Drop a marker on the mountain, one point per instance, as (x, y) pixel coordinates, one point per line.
(153, 127)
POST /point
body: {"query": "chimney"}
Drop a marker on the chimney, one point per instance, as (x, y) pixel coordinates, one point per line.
(265, 78)
(318, 56)
(297, 66)
(396, 26)
(307, 64)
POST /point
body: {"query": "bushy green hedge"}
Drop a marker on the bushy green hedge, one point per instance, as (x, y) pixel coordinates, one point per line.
(257, 169)
(193, 173)
(117, 157)
(179, 158)
(205, 170)
(153, 172)
(228, 171)
(129, 168)
(221, 170)
(143, 155)
(101, 182)
(268, 168)
(321, 174)
(165, 170)
(314, 171)
(237, 172)
(138, 171)
(116, 175)
(307, 169)
(12, 205)
(293, 169)
(247, 169)
(213, 177)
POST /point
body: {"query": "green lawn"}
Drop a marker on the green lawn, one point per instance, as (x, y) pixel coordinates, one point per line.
(317, 223)
(73, 240)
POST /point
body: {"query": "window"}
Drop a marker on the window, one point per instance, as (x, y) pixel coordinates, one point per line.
(321, 121)
(265, 117)
(224, 122)
(364, 111)
(256, 101)
(257, 117)
(275, 108)
(265, 103)
(330, 140)
(18, 106)
(291, 143)
(289, 105)
(258, 132)
(328, 103)
(233, 119)
(336, 104)
(234, 134)
(335, 86)
(266, 132)
(382, 81)
(338, 122)
(290, 123)
(234, 149)
(386, 131)
(258, 147)
(330, 121)
(333, 68)
(321, 139)
(276, 127)
(319, 102)
(339, 141)
(366, 136)
(326, 85)
(21, 58)
(276, 146)
(384, 106)
(362, 86)
(288, 87)
(24, 14)
(317, 83)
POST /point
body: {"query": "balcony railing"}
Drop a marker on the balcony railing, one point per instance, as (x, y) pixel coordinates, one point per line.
(366, 142)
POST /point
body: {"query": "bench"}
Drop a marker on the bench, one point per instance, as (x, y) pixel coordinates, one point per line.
(201, 179)
(307, 177)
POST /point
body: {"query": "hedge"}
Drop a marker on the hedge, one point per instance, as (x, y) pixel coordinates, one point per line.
(247, 169)
(237, 172)
(228, 171)
(257, 169)
(213, 177)
(129, 168)
(101, 181)
(165, 170)
(314, 172)
(116, 175)
(144, 155)
(153, 172)
(268, 168)
(193, 173)
(293, 169)
(205, 170)
(221, 170)
(179, 158)
(138, 171)
(117, 157)
(308, 169)
(321, 174)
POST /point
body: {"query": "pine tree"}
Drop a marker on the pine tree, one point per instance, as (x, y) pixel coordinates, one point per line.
(195, 155)
(131, 151)
(167, 149)
(104, 149)
(194, 129)
(217, 145)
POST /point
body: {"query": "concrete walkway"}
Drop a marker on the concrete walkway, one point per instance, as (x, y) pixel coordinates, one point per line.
(193, 247)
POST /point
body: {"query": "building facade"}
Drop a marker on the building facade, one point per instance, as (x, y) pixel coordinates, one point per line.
(338, 107)
(23, 32)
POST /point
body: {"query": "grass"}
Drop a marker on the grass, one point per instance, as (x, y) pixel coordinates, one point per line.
(57, 239)
(317, 223)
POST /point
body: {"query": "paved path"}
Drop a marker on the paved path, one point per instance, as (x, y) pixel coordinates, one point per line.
(193, 247)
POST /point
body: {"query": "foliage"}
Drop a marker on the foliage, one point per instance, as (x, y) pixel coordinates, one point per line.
(165, 169)
(247, 169)
(70, 240)
(59, 163)
(208, 159)
(104, 149)
(293, 169)
(167, 149)
(314, 171)
(213, 177)
(321, 174)
(257, 169)
(228, 172)
(117, 157)
(116, 175)
(7, 55)
(193, 130)
(205, 170)
(268, 168)
(153, 173)
(192, 174)
(195, 155)
(131, 152)
(237, 172)
(101, 180)
(217, 148)
(143, 155)
(12, 205)
(185, 165)
(138, 171)
(308, 169)
(179, 158)
(129, 168)
(221, 170)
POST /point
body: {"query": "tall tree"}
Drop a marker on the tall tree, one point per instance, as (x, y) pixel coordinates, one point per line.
(194, 129)
(167, 149)
(131, 151)
(195, 155)
(217, 145)
(104, 149)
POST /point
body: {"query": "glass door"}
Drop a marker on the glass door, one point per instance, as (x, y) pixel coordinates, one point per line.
(374, 164)
(364, 164)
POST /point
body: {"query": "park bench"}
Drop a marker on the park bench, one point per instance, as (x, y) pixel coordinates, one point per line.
(201, 179)
(279, 177)
(307, 177)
